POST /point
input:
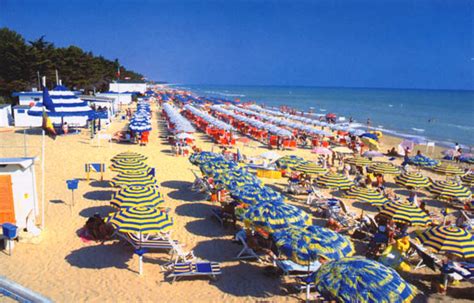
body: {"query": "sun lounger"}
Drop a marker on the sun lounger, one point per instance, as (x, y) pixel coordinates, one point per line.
(246, 252)
(198, 269)
(148, 243)
(290, 268)
(427, 259)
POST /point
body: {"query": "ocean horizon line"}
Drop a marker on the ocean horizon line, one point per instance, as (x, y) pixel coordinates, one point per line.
(325, 87)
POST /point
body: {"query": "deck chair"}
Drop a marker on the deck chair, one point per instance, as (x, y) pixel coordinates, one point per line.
(179, 255)
(296, 189)
(198, 269)
(467, 219)
(292, 269)
(315, 197)
(221, 216)
(246, 252)
(427, 259)
(148, 243)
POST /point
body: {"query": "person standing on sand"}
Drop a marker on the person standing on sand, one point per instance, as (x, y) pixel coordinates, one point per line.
(368, 124)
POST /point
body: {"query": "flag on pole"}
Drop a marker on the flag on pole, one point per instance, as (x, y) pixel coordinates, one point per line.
(48, 125)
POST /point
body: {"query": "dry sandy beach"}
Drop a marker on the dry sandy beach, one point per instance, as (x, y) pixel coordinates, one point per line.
(64, 268)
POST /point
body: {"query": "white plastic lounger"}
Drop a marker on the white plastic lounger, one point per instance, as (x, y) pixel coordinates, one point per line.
(150, 243)
(198, 269)
(246, 252)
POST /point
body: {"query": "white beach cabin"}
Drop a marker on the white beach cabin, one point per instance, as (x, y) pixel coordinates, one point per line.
(5, 115)
(18, 198)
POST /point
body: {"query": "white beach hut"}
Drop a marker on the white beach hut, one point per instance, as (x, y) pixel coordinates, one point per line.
(18, 198)
(5, 115)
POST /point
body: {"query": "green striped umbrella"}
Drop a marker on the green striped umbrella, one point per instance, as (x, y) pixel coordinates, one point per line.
(358, 161)
(276, 216)
(334, 180)
(468, 180)
(448, 169)
(363, 194)
(129, 156)
(406, 213)
(358, 279)
(130, 178)
(123, 165)
(137, 196)
(310, 168)
(449, 239)
(384, 168)
(450, 190)
(412, 180)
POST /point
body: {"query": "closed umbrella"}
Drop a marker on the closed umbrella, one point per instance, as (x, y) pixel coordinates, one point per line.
(449, 239)
(123, 165)
(129, 156)
(129, 178)
(358, 279)
(468, 180)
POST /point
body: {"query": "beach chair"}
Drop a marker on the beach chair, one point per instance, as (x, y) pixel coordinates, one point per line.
(148, 243)
(221, 216)
(467, 220)
(198, 269)
(427, 259)
(315, 197)
(292, 269)
(246, 252)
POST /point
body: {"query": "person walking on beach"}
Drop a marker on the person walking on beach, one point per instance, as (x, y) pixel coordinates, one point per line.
(368, 124)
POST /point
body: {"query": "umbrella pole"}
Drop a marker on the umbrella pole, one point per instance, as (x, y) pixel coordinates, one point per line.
(140, 257)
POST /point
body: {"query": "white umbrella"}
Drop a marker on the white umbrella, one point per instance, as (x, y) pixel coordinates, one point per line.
(184, 136)
(270, 155)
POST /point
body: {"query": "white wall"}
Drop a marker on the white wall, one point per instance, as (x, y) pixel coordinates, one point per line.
(5, 116)
(127, 87)
(23, 120)
(26, 100)
(119, 98)
(24, 194)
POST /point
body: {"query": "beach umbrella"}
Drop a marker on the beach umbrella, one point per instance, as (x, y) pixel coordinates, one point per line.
(343, 150)
(131, 178)
(276, 216)
(370, 136)
(420, 160)
(304, 244)
(321, 151)
(129, 156)
(412, 180)
(289, 162)
(270, 155)
(137, 196)
(358, 279)
(183, 136)
(372, 154)
(369, 195)
(141, 221)
(468, 179)
(449, 239)
(371, 143)
(358, 161)
(406, 213)
(450, 190)
(384, 168)
(448, 169)
(130, 165)
(253, 194)
(234, 178)
(310, 168)
(334, 180)
(202, 157)
(217, 167)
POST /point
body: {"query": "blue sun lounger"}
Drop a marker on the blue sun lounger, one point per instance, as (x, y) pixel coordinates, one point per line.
(198, 269)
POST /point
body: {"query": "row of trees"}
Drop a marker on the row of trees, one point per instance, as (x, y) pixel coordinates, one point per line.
(20, 62)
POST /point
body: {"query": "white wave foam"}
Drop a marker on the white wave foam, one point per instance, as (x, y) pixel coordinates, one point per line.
(223, 94)
(420, 130)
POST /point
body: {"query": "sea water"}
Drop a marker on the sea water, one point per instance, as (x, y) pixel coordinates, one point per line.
(442, 116)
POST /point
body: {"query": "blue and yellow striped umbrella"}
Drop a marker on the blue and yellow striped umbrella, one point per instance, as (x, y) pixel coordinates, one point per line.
(143, 220)
(334, 180)
(358, 161)
(129, 156)
(137, 196)
(384, 168)
(310, 168)
(448, 169)
(358, 279)
(254, 194)
(423, 161)
(305, 244)
(449, 239)
(203, 157)
(216, 167)
(289, 162)
(406, 213)
(276, 216)
(468, 179)
(412, 180)
(130, 165)
(234, 178)
(369, 195)
(450, 190)
(131, 178)
(371, 143)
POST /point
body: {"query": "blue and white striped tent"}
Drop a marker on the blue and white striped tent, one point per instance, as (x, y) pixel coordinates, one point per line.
(62, 105)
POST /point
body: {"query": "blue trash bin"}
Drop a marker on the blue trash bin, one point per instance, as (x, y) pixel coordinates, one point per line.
(72, 184)
(9, 230)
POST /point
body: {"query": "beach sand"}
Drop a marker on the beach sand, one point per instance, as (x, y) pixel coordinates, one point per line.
(64, 268)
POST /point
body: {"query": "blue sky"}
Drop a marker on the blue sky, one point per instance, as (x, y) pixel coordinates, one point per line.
(367, 43)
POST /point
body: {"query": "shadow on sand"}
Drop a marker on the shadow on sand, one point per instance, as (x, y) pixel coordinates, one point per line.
(101, 195)
(101, 210)
(103, 184)
(194, 210)
(184, 185)
(100, 256)
(207, 228)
